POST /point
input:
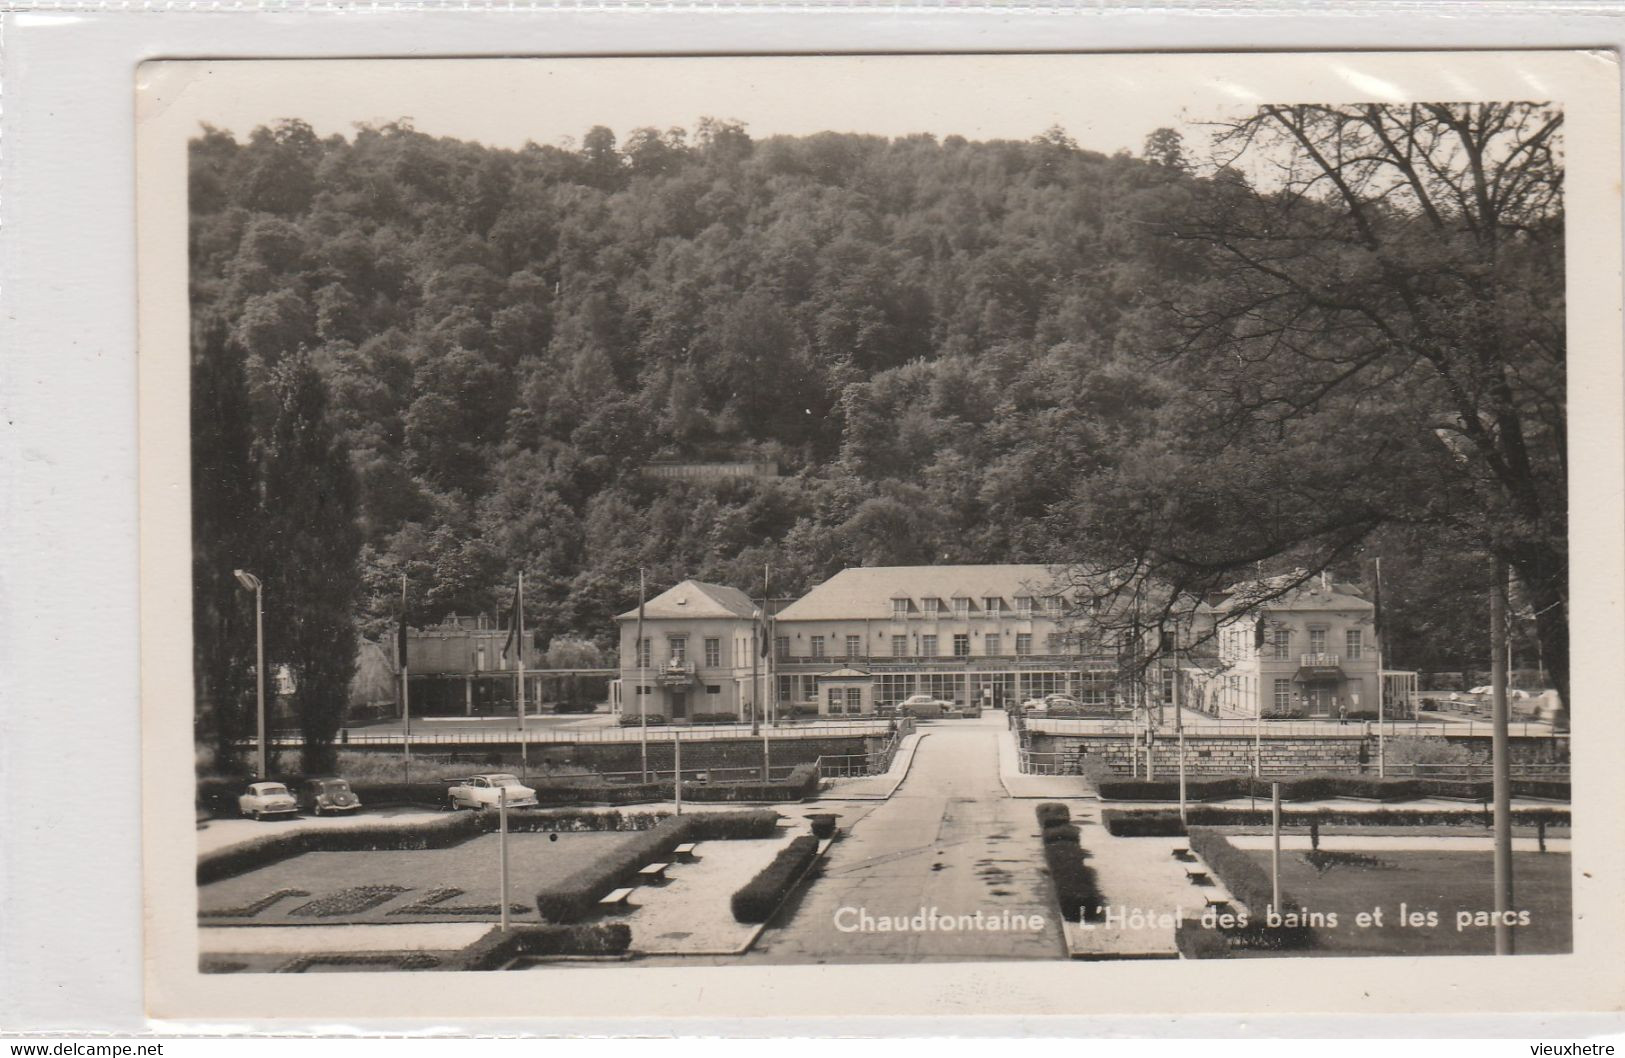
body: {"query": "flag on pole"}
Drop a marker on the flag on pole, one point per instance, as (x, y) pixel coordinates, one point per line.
(1258, 634)
(516, 636)
(1376, 603)
(400, 633)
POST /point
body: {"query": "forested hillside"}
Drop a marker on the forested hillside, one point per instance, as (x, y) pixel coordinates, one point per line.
(925, 335)
(955, 351)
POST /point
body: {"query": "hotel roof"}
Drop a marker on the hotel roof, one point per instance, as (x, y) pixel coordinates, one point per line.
(868, 591)
(695, 598)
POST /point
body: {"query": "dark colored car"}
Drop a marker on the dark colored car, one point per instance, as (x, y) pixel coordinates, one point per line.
(321, 796)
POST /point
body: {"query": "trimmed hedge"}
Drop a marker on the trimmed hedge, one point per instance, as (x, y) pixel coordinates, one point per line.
(1195, 941)
(1552, 788)
(714, 718)
(635, 720)
(735, 826)
(1249, 883)
(1053, 812)
(1061, 832)
(823, 825)
(251, 855)
(1320, 788)
(574, 896)
(496, 949)
(455, 828)
(1164, 822)
(1076, 888)
(762, 895)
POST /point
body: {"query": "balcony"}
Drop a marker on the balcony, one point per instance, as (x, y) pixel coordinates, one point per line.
(676, 672)
(1315, 661)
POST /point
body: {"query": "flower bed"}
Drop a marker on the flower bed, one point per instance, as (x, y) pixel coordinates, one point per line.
(445, 831)
(763, 894)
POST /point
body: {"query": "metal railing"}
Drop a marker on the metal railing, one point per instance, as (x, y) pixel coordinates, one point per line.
(1058, 763)
(1470, 728)
(634, 733)
(851, 765)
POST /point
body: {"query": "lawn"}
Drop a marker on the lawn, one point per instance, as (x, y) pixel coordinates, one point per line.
(427, 885)
(1444, 882)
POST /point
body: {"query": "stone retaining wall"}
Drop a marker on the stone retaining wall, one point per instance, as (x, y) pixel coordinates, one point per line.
(1234, 754)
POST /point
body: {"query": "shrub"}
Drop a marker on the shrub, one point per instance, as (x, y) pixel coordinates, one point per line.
(438, 833)
(713, 718)
(1076, 889)
(763, 894)
(1284, 714)
(572, 897)
(1249, 883)
(1547, 788)
(634, 720)
(823, 824)
(496, 949)
(1406, 750)
(734, 826)
(1164, 822)
(1061, 832)
(251, 855)
(1051, 812)
(1195, 941)
(1219, 788)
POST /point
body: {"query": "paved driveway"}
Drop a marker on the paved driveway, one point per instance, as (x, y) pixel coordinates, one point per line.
(950, 841)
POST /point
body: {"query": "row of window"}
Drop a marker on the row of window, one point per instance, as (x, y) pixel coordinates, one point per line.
(929, 646)
(1238, 642)
(991, 606)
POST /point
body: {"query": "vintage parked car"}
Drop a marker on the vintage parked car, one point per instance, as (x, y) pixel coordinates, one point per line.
(320, 796)
(484, 791)
(267, 799)
(924, 706)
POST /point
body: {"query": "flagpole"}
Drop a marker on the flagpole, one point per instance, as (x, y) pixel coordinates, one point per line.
(1376, 632)
(641, 694)
(406, 694)
(519, 664)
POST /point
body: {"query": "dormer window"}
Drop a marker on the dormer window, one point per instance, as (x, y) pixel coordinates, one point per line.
(961, 607)
(899, 609)
(1053, 604)
(991, 605)
(931, 605)
(1024, 606)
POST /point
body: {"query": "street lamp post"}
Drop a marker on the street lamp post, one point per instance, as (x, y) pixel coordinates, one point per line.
(252, 583)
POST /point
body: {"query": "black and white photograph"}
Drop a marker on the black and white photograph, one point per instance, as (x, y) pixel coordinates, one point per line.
(770, 512)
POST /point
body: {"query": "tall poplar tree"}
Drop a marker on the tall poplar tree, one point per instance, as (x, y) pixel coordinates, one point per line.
(224, 511)
(313, 545)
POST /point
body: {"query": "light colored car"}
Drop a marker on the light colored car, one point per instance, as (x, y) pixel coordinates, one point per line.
(321, 796)
(923, 705)
(484, 791)
(1065, 701)
(267, 799)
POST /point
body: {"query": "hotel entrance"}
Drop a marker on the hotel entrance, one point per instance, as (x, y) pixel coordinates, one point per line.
(1321, 698)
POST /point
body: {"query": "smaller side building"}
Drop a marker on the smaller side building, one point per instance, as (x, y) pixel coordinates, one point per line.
(1310, 653)
(694, 656)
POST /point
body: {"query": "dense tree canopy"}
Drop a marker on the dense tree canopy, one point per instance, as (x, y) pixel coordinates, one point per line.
(955, 352)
